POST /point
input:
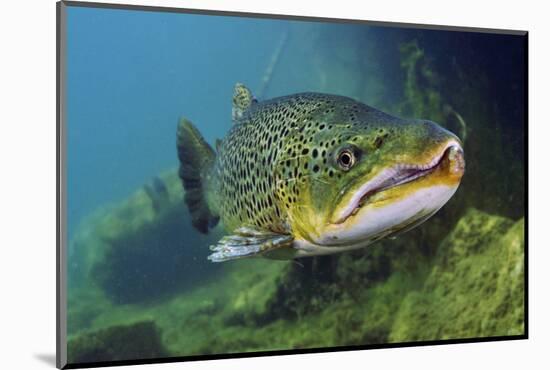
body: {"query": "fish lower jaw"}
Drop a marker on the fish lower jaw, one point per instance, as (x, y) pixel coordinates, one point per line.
(305, 248)
(375, 222)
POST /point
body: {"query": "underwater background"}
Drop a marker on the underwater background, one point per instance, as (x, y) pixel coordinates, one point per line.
(139, 283)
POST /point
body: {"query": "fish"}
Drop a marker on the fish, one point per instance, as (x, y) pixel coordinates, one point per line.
(313, 174)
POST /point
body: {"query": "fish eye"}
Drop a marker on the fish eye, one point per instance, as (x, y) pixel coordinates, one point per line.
(346, 159)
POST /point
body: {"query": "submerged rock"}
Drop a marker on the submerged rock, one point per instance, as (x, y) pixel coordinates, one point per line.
(475, 288)
(472, 287)
(122, 342)
(143, 248)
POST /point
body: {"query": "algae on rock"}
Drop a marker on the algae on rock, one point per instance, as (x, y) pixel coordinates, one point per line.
(472, 287)
(140, 340)
(150, 253)
(475, 288)
(136, 252)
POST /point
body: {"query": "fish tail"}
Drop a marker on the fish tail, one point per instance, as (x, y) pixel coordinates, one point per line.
(196, 158)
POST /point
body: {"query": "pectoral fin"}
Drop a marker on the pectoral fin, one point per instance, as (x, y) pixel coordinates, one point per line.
(248, 242)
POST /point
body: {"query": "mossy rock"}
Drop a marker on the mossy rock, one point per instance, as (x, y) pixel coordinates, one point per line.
(472, 286)
(122, 342)
(475, 288)
(144, 248)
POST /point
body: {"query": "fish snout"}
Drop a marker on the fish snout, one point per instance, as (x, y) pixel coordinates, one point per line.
(453, 161)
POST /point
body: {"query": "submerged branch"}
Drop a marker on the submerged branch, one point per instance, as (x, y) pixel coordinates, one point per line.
(448, 110)
(266, 78)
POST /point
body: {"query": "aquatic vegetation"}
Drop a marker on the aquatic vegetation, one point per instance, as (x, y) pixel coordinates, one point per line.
(421, 90)
(472, 108)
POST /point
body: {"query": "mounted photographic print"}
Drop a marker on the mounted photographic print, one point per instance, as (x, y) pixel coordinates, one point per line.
(236, 184)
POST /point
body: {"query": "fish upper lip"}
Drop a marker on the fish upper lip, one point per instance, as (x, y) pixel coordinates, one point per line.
(391, 177)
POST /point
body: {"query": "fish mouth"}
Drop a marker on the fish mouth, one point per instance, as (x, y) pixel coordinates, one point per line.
(449, 158)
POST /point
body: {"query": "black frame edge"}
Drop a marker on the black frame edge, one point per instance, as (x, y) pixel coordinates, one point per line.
(526, 190)
(292, 352)
(61, 246)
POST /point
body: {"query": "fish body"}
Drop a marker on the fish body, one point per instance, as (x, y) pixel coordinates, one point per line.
(310, 174)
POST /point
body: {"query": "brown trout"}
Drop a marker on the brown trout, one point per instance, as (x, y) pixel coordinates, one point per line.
(311, 174)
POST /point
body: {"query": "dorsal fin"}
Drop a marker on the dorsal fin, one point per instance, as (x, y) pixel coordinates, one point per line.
(242, 100)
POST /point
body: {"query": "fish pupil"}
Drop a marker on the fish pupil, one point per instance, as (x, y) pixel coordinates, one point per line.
(346, 159)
